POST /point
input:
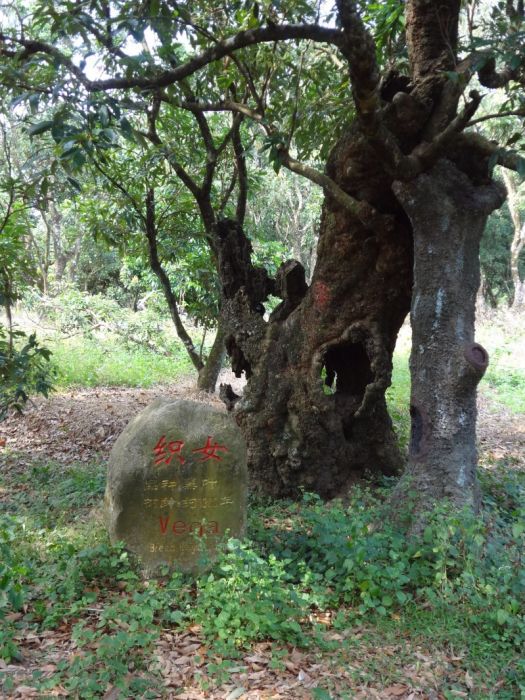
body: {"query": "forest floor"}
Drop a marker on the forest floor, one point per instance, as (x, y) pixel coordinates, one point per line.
(83, 425)
(360, 661)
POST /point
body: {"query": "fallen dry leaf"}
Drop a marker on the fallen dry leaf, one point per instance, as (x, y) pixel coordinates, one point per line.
(396, 690)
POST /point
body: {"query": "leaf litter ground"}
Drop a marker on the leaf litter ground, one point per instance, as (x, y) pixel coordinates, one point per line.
(360, 662)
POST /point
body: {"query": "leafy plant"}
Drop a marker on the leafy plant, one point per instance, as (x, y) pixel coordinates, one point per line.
(12, 592)
(24, 370)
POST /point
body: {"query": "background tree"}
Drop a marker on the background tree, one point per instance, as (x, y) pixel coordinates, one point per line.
(23, 362)
(518, 240)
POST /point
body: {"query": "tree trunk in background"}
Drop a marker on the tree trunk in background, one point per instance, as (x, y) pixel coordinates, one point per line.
(61, 257)
(208, 375)
(518, 242)
(313, 411)
(448, 214)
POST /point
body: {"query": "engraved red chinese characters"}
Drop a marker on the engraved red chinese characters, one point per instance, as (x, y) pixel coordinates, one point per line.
(164, 452)
(210, 451)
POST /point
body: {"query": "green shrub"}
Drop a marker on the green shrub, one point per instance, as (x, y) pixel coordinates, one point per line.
(464, 578)
(246, 598)
(24, 369)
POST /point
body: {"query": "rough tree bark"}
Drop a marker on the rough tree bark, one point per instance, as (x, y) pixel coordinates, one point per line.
(448, 214)
(341, 330)
(313, 411)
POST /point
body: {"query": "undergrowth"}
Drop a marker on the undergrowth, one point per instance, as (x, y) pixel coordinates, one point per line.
(89, 362)
(464, 582)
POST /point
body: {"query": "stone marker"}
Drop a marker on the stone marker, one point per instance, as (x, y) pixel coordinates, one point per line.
(177, 482)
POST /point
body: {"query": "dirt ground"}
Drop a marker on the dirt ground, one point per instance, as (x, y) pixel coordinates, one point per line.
(83, 425)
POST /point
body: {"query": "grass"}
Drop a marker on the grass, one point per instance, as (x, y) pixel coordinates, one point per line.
(504, 382)
(503, 335)
(506, 387)
(398, 396)
(446, 614)
(85, 362)
(376, 611)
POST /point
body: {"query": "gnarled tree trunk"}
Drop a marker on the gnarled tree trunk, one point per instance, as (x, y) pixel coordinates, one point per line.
(313, 411)
(448, 214)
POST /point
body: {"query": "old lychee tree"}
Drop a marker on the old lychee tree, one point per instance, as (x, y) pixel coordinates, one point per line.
(421, 190)
(408, 187)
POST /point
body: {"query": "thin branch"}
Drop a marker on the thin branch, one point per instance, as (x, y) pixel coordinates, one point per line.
(496, 115)
(202, 122)
(361, 209)
(296, 101)
(244, 70)
(151, 236)
(227, 194)
(221, 106)
(119, 186)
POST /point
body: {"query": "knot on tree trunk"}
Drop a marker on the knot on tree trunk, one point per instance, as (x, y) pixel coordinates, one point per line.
(473, 363)
(290, 285)
(228, 396)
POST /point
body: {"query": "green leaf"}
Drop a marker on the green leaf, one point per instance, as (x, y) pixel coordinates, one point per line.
(74, 183)
(127, 129)
(502, 617)
(517, 530)
(104, 115)
(41, 127)
(321, 694)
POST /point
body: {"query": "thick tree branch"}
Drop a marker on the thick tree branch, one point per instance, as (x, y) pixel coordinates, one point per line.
(487, 74)
(359, 49)
(432, 36)
(425, 156)
(164, 78)
(491, 150)
(491, 78)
